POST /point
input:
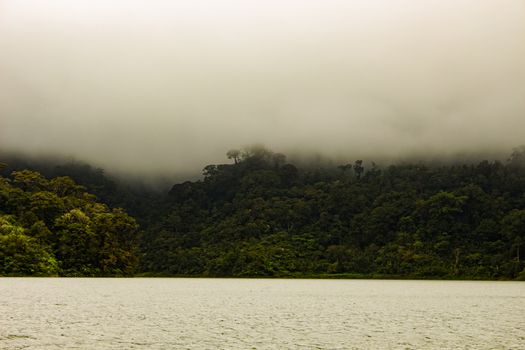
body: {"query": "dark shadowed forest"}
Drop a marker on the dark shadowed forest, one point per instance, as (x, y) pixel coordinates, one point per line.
(262, 216)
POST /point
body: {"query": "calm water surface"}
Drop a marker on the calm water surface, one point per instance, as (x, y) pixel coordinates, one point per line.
(58, 313)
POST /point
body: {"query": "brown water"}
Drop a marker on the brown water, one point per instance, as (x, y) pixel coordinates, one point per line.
(59, 313)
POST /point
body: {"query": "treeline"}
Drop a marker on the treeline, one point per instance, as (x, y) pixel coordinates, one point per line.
(54, 227)
(263, 216)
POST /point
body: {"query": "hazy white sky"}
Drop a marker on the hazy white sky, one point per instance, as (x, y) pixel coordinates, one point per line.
(154, 85)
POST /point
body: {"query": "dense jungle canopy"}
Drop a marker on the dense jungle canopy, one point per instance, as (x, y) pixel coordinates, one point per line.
(263, 216)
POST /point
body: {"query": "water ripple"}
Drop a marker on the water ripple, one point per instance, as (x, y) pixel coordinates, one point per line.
(137, 313)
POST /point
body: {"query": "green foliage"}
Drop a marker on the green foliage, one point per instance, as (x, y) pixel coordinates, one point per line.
(263, 217)
(22, 255)
(53, 227)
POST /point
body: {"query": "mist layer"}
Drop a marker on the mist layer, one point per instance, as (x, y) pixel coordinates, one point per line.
(159, 86)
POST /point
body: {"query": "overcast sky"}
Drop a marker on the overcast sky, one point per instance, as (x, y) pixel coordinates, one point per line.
(169, 86)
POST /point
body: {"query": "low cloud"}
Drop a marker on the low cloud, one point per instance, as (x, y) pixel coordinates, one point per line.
(166, 87)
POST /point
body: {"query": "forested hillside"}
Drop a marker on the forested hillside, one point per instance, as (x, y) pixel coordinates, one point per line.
(263, 216)
(54, 227)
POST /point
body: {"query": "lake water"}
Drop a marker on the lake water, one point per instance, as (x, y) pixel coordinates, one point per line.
(157, 313)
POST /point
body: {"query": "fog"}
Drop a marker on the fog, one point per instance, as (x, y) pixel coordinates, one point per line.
(168, 86)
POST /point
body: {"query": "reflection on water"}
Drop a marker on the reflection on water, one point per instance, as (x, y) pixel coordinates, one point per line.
(59, 313)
